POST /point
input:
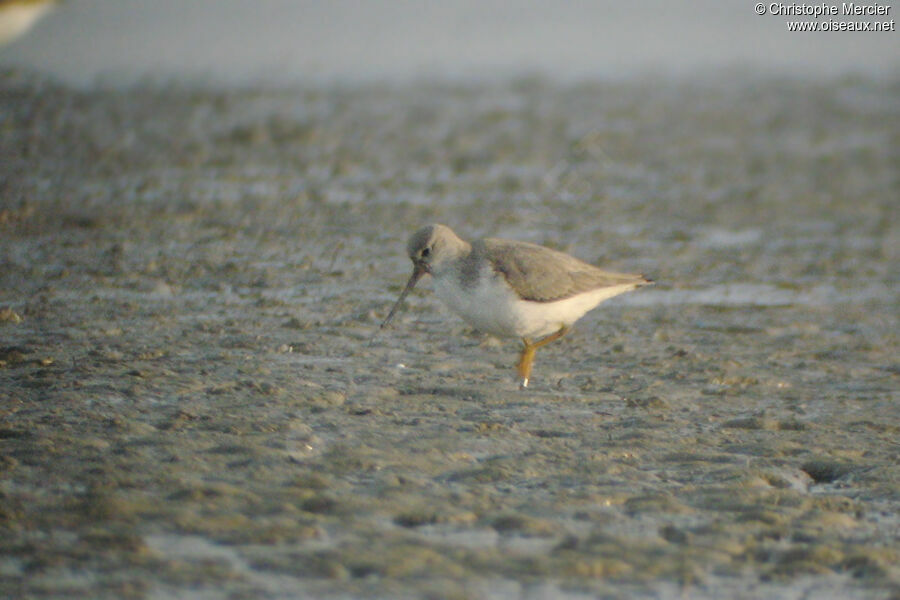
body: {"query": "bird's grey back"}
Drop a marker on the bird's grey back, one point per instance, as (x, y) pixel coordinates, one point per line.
(541, 274)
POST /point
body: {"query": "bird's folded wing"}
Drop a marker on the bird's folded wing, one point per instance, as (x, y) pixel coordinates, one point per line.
(540, 274)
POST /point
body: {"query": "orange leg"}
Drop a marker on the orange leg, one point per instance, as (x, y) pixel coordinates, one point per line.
(526, 359)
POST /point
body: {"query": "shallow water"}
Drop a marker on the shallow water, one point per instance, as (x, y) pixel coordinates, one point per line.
(194, 405)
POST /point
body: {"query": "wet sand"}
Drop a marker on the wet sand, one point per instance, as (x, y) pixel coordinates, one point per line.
(192, 404)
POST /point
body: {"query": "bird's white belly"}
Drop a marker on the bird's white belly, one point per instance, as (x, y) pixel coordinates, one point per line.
(543, 318)
(493, 307)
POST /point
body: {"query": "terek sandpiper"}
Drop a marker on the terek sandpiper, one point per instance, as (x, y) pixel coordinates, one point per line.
(511, 289)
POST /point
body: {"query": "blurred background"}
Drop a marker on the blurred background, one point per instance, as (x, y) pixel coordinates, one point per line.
(295, 41)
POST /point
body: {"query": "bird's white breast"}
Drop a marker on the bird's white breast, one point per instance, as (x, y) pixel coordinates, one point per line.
(487, 306)
(490, 305)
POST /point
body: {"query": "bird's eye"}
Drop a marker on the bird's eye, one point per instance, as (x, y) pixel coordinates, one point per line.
(426, 252)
